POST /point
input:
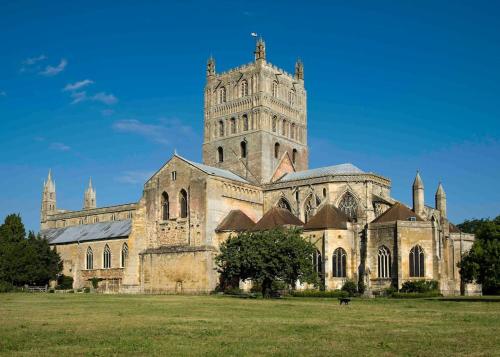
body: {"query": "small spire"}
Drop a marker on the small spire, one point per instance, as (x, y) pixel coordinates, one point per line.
(90, 182)
(210, 66)
(49, 176)
(440, 191)
(418, 183)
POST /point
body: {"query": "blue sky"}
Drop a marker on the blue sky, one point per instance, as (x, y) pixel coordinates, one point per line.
(110, 89)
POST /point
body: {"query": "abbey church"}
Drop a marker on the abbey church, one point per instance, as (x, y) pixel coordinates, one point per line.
(255, 176)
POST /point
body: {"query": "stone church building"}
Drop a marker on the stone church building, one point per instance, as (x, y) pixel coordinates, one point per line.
(255, 175)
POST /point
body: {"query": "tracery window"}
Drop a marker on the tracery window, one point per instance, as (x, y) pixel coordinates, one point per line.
(384, 262)
(220, 154)
(311, 203)
(276, 150)
(124, 256)
(89, 259)
(283, 203)
(243, 149)
(183, 203)
(244, 88)
(349, 205)
(245, 122)
(339, 263)
(275, 89)
(417, 262)
(233, 125)
(165, 206)
(106, 258)
(221, 128)
(222, 95)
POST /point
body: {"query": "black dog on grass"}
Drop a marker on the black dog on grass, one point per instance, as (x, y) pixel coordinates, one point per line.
(344, 301)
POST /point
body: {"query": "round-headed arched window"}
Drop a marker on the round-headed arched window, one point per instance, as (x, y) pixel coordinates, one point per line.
(220, 154)
(276, 150)
(243, 149)
(339, 260)
(417, 262)
(245, 122)
(233, 125)
(183, 203)
(349, 205)
(221, 128)
(165, 206)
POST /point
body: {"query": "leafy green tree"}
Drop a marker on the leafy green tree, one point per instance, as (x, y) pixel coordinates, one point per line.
(266, 257)
(482, 262)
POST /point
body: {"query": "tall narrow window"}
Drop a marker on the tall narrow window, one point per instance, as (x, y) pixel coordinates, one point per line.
(124, 256)
(221, 128)
(233, 125)
(244, 88)
(417, 262)
(245, 122)
(292, 131)
(384, 262)
(318, 262)
(90, 258)
(294, 156)
(222, 95)
(220, 154)
(339, 263)
(274, 123)
(243, 149)
(165, 206)
(183, 203)
(276, 150)
(275, 89)
(283, 128)
(291, 97)
(349, 205)
(106, 257)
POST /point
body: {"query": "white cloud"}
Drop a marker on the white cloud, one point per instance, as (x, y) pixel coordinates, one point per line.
(59, 147)
(105, 98)
(33, 60)
(134, 177)
(50, 71)
(78, 97)
(77, 85)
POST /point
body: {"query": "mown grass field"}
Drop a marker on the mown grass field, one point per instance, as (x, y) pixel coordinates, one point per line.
(106, 325)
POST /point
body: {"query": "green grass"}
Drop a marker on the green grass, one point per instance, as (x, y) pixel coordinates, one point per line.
(104, 325)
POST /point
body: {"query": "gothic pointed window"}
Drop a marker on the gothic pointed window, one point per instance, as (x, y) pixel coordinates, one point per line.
(106, 257)
(222, 95)
(183, 203)
(349, 205)
(339, 262)
(283, 203)
(312, 202)
(244, 88)
(384, 262)
(221, 128)
(417, 261)
(317, 262)
(245, 122)
(274, 123)
(276, 150)
(124, 256)
(89, 259)
(275, 89)
(165, 206)
(233, 125)
(243, 149)
(220, 154)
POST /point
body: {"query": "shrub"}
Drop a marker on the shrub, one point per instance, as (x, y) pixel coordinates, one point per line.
(320, 294)
(64, 282)
(390, 291)
(419, 286)
(86, 290)
(95, 282)
(6, 287)
(350, 287)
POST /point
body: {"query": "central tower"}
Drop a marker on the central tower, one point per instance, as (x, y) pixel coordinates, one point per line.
(255, 117)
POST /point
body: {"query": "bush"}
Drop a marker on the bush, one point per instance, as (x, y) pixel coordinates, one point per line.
(419, 286)
(86, 290)
(95, 282)
(350, 287)
(320, 294)
(6, 287)
(64, 282)
(390, 291)
(427, 294)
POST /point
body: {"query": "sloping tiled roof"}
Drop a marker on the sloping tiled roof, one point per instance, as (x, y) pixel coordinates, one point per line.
(454, 229)
(342, 169)
(235, 221)
(328, 217)
(398, 212)
(277, 217)
(87, 232)
(215, 171)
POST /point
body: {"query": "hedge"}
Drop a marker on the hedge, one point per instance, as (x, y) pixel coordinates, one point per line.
(320, 294)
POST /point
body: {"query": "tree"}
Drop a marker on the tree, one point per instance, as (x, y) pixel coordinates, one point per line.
(25, 261)
(266, 257)
(482, 262)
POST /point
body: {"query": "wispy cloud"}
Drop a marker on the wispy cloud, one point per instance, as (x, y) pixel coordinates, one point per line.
(51, 71)
(77, 85)
(59, 146)
(105, 98)
(107, 112)
(78, 97)
(165, 131)
(134, 177)
(31, 61)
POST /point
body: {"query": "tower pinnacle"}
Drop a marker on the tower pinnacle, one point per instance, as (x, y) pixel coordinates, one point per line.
(89, 200)
(418, 196)
(260, 50)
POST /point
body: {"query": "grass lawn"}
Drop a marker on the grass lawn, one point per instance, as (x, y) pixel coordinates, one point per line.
(104, 325)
